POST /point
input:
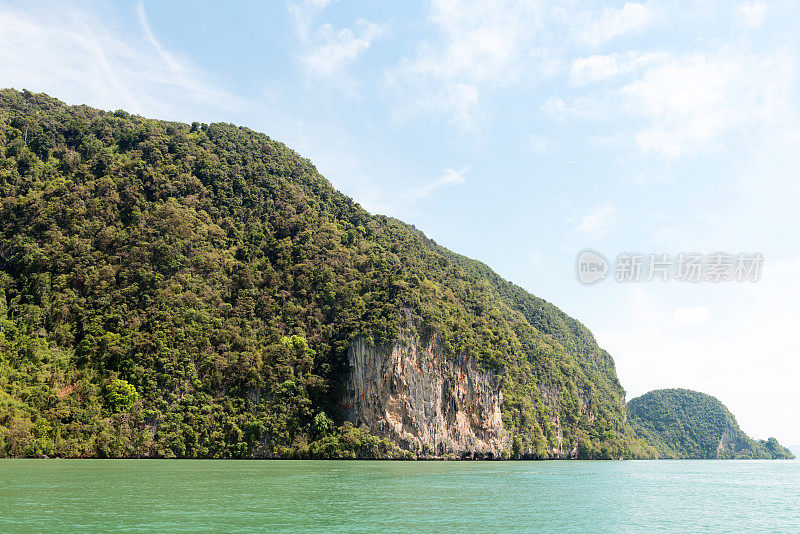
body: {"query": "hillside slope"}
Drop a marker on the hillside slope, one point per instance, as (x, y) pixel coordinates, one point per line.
(681, 423)
(193, 291)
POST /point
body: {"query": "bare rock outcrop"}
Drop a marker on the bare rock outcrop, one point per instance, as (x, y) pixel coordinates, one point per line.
(427, 403)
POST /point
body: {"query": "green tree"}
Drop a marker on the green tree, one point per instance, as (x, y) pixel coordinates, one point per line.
(121, 396)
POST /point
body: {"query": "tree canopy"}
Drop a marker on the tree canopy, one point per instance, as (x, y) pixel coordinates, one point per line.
(191, 291)
(681, 423)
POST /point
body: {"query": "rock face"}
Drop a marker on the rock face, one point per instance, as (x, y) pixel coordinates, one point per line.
(728, 441)
(428, 404)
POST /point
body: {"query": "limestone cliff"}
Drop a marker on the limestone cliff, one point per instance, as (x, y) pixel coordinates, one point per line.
(428, 404)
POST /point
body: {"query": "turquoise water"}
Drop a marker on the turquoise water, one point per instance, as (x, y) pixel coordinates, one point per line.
(291, 496)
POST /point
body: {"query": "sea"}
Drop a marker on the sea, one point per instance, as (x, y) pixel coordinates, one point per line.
(62, 496)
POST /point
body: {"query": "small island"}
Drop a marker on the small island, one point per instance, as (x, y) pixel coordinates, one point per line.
(681, 423)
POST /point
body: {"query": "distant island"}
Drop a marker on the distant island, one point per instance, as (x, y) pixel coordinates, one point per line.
(681, 423)
(173, 290)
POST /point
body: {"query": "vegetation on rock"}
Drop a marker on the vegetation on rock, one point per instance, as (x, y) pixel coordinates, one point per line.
(174, 290)
(681, 423)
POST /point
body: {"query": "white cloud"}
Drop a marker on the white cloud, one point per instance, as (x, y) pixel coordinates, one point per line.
(689, 103)
(556, 108)
(752, 15)
(338, 48)
(597, 222)
(594, 68)
(395, 195)
(481, 41)
(588, 107)
(328, 51)
(535, 258)
(597, 68)
(690, 315)
(539, 143)
(683, 105)
(480, 46)
(303, 13)
(598, 27)
(79, 55)
(448, 178)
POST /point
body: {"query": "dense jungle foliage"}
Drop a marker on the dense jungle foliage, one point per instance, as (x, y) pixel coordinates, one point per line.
(174, 290)
(681, 423)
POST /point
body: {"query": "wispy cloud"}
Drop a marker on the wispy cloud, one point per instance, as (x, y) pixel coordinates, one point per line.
(448, 178)
(752, 14)
(481, 48)
(600, 26)
(89, 59)
(539, 143)
(336, 49)
(406, 195)
(679, 105)
(478, 45)
(675, 103)
(599, 68)
(598, 221)
(688, 103)
(328, 51)
(594, 68)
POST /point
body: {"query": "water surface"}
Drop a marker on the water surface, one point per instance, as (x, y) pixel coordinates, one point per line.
(320, 496)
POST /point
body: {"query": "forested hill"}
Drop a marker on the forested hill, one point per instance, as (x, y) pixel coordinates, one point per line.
(191, 290)
(681, 423)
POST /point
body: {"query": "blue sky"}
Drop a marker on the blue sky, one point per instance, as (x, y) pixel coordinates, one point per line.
(517, 133)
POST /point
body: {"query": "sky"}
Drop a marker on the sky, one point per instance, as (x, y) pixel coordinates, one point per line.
(516, 133)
